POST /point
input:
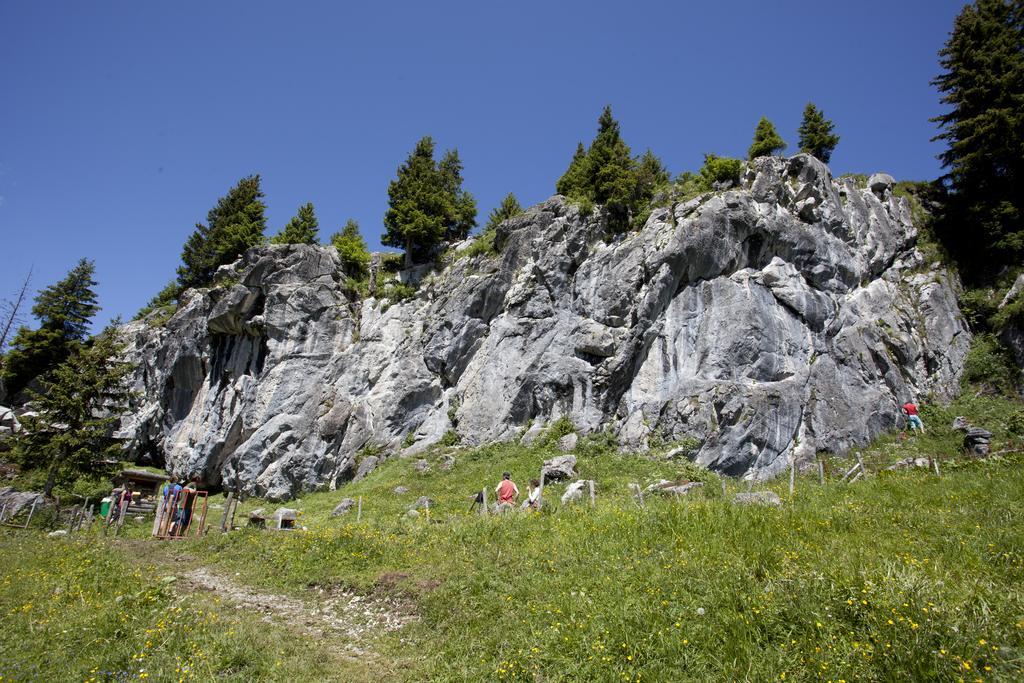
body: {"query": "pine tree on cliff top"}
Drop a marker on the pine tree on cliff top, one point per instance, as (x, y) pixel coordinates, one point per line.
(234, 225)
(508, 208)
(427, 204)
(766, 140)
(816, 134)
(302, 229)
(607, 174)
(463, 217)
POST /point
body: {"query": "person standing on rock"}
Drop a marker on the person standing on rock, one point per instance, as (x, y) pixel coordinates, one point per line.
(913, 419)
(507, 492)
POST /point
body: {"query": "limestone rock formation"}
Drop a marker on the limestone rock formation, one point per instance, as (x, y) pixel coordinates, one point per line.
(792, 310)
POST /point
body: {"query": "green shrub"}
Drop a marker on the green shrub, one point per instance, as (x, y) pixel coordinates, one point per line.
(355, 257)
(556, 430)
(396, 291)
(978, 307)
(483, 245)
(718, 169)
(450, 438)
(990, 364)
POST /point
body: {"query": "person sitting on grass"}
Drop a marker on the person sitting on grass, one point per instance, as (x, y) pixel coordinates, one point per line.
(507, 492)
(532, 501)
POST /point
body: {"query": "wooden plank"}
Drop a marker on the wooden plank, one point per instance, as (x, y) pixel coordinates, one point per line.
(593, 500)
(359, 510)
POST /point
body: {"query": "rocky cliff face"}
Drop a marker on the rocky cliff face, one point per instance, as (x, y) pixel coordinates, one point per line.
(791, 314)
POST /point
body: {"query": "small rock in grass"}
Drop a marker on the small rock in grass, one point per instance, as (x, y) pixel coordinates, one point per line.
(401, 489)
(343, 507)
(568, 442)
(758, 498)
(421, 502)
(575, 491)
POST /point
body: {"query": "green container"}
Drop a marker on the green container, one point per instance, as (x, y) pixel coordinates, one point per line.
(105, 506)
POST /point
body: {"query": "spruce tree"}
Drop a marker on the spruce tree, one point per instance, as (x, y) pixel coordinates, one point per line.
(766, 140)
(300, 230)
(355, 257)
(508, 208)
(611, 168)
(816, 136)
(606, 174)
(234, 225)
(983, 84)
(76, 411)
(573, 182)
(427, 204)
(65, 311)
(463, 204)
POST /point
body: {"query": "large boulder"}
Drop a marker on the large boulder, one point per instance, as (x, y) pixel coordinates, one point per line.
(13, 502)
(281, 379)
(558, 468)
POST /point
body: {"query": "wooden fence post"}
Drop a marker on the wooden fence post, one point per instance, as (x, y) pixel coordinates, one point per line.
(359, 510)
(31, 512)
(792, 475)
(483, 510)
(593, 501)
(224, 515)
(821, 472)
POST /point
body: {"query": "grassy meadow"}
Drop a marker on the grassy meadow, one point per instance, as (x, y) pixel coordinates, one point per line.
(900, 576)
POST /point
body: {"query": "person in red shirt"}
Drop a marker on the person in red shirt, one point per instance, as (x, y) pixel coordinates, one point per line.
(507, 492)
(913, 419)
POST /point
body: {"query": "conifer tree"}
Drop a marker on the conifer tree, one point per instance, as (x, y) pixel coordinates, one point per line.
(234, 225)
(463, 204)
(302, 229)
(355, 257)
(82, 397)
(65, 311)
(574, 181)
(606, 173)
(426, 203)
(816, 136)
(983, 84)
(508, 208)
(766, 140)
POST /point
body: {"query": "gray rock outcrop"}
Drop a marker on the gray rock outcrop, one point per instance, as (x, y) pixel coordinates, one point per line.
(13, 502)
(561, 467)
(792, 309)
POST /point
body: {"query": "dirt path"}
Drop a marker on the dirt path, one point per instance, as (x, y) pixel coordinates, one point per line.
(343, 621)
(344, 618)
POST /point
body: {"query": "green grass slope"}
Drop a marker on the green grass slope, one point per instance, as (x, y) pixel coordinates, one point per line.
(899, 576)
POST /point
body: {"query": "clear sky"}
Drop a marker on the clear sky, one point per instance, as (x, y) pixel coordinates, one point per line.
(121, 123)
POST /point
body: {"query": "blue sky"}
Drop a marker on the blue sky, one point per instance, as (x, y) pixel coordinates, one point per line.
(121, 123)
